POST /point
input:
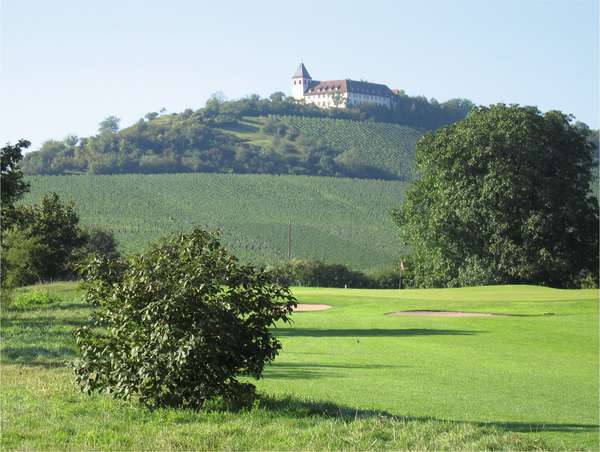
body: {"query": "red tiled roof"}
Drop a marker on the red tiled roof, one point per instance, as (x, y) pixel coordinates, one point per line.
(347, 85)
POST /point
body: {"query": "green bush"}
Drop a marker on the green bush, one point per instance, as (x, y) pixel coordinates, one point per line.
(32, 298)
(178, 324)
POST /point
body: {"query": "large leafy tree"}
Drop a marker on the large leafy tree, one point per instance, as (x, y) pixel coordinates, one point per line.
(503, 197)
(179, 324)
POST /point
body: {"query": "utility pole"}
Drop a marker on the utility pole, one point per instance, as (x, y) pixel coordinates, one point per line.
(290, 240)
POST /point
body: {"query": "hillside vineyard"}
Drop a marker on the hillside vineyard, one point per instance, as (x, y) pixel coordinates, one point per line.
(252, 211)
(389, 147)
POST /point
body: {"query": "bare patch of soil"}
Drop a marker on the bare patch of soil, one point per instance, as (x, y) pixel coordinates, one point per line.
(311, 307)
(444, 314)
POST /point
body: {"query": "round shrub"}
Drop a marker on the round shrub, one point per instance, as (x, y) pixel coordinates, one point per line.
(33, 298)
(178, 324)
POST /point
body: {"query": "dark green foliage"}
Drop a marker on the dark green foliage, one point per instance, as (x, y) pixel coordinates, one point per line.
(417, 111)
(109, 125)
(12, 188)
(178, 324)
(503, 197)
(22, 257)
(388, 278)
(46, 243)
(12, 185)
(310, 273)
(167, 144)
(100, 242)
(57, 227)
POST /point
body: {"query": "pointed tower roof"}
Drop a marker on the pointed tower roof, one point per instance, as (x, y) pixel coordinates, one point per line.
(301, 72)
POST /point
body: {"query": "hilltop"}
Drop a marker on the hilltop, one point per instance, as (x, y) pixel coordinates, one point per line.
(253, 135)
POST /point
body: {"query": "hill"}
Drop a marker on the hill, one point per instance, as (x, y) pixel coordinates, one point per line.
(253, 212)
(183, 143)
(218, 138)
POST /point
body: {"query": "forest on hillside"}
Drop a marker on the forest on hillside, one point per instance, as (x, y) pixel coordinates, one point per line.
(200, 141)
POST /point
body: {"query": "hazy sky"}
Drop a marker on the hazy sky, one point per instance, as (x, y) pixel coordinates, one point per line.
(65, 65)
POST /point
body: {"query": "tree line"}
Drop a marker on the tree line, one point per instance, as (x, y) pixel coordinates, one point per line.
(415, 111)
(191, 142)
(315, 273)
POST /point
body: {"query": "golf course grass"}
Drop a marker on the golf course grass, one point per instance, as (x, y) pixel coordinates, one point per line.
(349, 377)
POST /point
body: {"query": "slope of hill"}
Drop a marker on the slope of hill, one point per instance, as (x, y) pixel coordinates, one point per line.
(389, 147)
(334, 219)
(188, 142)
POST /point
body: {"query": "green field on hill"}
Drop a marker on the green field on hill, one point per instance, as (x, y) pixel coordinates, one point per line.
(389, 147)
(350, 377)
(334, 219)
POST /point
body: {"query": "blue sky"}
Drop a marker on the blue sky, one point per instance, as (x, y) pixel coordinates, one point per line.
(65, 65)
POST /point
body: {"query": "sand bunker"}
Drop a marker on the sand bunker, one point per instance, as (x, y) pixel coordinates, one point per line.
(311, 307)
(443, 314)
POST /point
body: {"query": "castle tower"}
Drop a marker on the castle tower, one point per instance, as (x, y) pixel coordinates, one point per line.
(300, 82)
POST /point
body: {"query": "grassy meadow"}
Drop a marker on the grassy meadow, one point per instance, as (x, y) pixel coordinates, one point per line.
(349, 377)
(323, 210)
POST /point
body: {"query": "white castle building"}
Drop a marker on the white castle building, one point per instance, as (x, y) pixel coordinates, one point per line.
(338, 93)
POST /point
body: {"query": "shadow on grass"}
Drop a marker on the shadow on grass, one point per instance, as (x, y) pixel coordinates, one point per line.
(37, 356)
(279, 370)
(43, 323)
(57, 306)
(371, 332)
(39, 340)
(295, 408)
(239, 127)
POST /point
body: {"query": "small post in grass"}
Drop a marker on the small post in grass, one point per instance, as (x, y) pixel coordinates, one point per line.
(290, 240)
(401, 273)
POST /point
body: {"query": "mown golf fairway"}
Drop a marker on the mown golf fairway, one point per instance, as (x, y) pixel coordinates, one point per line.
(530, 376)
(536, 370)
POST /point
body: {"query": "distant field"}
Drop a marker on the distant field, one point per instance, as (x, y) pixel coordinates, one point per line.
(334, 219)
(390, 147)
(348, 378)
